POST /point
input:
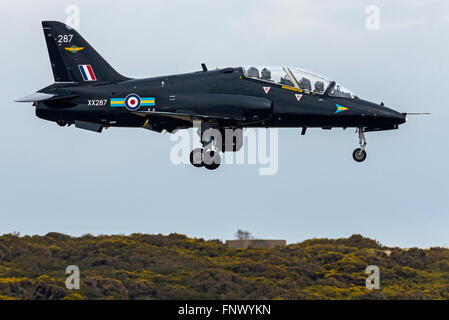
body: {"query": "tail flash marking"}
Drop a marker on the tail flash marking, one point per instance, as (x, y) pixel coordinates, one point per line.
(87, 72)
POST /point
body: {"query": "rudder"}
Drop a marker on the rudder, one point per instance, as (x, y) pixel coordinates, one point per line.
(73, 59)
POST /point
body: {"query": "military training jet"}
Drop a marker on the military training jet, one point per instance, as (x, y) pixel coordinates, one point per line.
(90, 94)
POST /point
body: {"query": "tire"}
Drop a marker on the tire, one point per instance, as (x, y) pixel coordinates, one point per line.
(359, 155)
(61, 123)
(196, 157)
(215, 163)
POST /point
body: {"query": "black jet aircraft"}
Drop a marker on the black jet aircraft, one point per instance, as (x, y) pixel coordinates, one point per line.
(90, 94)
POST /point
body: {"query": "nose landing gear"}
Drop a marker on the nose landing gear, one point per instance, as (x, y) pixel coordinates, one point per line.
(359, 154)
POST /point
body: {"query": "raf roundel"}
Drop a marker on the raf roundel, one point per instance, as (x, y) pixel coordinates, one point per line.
(132, 102)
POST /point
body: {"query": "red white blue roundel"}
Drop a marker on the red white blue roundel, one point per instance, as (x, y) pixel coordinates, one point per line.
(132, 102)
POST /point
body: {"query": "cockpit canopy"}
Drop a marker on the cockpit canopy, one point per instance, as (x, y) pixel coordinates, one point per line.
(296, 78)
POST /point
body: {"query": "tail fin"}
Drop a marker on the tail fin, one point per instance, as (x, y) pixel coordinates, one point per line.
(73, 59)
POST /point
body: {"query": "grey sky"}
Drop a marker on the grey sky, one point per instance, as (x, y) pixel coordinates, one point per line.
(122, 181)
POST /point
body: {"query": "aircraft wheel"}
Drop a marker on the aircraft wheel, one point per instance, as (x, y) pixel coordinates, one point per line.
(359, 155)
(61, 123)
(216, 161)
(196, 157)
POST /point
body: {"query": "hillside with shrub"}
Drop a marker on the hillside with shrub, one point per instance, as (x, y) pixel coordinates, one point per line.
(141, 266)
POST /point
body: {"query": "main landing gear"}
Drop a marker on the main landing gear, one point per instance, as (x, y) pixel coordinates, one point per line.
(201, 157)
(61, 123)
(208, 155)
(359, 154)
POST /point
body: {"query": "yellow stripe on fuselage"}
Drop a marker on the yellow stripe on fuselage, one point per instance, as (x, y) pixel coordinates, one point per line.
(292, 89)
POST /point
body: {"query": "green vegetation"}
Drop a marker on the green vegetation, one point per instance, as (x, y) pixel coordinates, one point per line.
(143, 266)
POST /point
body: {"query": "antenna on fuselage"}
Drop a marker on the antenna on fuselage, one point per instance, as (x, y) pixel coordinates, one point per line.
(203, 65)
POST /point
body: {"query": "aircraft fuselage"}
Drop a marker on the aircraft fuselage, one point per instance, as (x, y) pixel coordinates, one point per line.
(237, 100)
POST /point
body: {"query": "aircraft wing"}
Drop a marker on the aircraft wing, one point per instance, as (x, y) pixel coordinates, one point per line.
(188, 117)
(215, 107)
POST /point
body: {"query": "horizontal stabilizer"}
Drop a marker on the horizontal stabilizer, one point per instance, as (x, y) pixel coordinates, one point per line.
(50, 98)
(36, 97)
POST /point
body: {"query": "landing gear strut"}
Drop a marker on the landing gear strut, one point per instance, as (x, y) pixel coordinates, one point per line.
(359, 154)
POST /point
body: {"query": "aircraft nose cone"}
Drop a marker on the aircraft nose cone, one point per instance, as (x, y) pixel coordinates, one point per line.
(394, 116)
(397, 117)
(404, 117)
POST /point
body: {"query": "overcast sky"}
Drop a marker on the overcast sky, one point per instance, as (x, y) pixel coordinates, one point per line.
(122, 181)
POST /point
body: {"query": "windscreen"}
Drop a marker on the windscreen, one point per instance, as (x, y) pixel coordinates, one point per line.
(341, 92)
